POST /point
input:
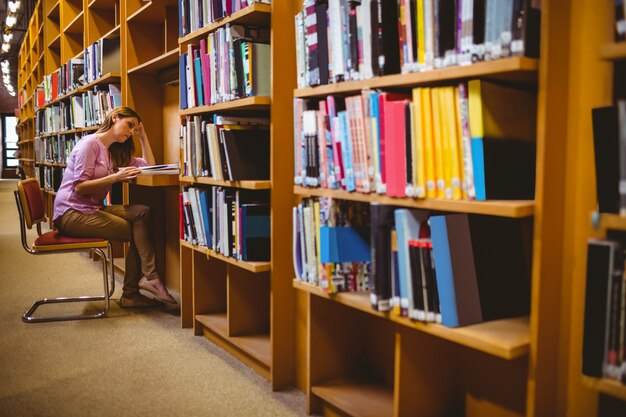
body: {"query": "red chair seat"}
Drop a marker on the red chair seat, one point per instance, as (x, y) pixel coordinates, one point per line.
(55, 238)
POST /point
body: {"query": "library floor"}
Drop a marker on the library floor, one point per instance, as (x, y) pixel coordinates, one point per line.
(133, 363)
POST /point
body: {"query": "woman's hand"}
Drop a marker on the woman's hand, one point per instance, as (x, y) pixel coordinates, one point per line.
(127, 173)
(140, 131)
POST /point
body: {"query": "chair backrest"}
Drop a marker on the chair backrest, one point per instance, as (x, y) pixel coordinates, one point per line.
(31, 202)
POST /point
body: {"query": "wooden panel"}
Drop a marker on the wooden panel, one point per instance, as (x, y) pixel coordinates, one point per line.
(248, 302)
(357, 398)
(209, 287)
(186, 301)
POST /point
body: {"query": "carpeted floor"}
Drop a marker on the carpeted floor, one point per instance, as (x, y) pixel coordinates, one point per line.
(133, 363)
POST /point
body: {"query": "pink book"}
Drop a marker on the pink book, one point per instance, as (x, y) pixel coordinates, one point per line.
(395, 164)
(384, 121)
(206, 74)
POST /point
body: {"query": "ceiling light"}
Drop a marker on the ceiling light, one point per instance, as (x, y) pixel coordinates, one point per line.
(11, 21)
(5, 70)
(6, 47)
(7, 37)
(14, 5)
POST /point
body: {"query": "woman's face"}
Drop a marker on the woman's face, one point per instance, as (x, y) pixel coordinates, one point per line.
(124, 127)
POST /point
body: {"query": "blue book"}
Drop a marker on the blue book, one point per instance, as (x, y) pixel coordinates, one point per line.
(346, 150)
(407, 228)
(197, 66)
(344, 244)
(182, 76)
(255, 232)
(206, 215)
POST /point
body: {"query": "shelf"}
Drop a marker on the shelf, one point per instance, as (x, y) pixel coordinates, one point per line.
(166, 60)
(249, 185)
(67, 132)
(513, 69)
(102, 4)
(506, 338)
(256, 346)
(606, 386)
(613, 51)
(357, 398)
(151, 12)
(111, 77)
(54, 10)
(77, 25)
(28, 160)
(113, 33)
(25, 141)
(248, 103)
(52, 164)
(503, 208)
(248, 266)
(156, 180)
(255, 14)
(610, 221)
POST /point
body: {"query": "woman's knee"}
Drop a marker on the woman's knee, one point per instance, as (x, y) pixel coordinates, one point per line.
(140, 211)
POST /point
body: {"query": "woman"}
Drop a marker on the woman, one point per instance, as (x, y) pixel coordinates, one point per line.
(97, 161)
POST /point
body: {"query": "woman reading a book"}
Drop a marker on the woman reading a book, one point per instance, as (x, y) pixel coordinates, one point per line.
(96, 162)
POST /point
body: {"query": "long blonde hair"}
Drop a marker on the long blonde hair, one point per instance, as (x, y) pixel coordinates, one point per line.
(120, 152)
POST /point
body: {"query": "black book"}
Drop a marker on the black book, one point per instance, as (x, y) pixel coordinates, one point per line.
(603, 259)
(385, 45)
(321, 9)
(606, 153)
(509, 169)
(255, 232)
(246, 154)
(382, 221)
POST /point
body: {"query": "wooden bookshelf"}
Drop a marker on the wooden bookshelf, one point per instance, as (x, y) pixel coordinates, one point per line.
(168, 59)
(259, 334)
(613, 51)
(516, 209)
(607, 221)
(606, 386)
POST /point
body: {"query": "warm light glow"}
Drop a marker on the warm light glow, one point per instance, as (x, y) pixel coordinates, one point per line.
(14, 5)
(6, 47)
(4, 64)
(5, 70)
(7, 37)
(11, 21)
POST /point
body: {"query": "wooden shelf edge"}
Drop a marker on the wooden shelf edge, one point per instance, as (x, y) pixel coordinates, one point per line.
(502, 208)
(480, 69)
(108, 77)
(248, 266)
(139, 11)
(606, 386)
(157, 180)
(249, 185)
(507, 338)
(110, 33)
(240, 104)
(73, 23)
(211, 27)
(156, 61)
(613, 51)
(68, 132)
(54, 8)
(604, 221)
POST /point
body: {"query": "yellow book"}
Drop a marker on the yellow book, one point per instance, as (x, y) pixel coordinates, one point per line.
(420, 32)
(452, 117)
(438, 143)
(419, 163)
(429, 146)
(501, 112)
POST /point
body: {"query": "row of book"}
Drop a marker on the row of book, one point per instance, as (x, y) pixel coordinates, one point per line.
(226, 148)
(339, 40)
(102, 57)
(604, 337)
(457, 269)
(56, 149)
(67, 78)
(195, 14)
(232, 63)
(232, 222)
(86, 109)
(474, 140)
(49, 177)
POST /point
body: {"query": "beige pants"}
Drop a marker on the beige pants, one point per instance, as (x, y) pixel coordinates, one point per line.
(130, 223)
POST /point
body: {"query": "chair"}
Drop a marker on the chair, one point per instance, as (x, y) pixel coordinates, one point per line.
(30, 206)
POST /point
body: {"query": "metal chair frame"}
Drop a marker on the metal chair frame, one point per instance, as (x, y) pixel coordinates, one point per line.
(97, 247)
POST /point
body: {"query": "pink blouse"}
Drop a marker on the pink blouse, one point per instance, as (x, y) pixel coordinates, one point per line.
(89, 160)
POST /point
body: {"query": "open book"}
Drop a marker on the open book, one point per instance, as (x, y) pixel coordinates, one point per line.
(160, 169)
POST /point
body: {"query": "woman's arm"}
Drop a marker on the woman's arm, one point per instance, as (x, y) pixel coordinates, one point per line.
(90, 186)
(146, 149)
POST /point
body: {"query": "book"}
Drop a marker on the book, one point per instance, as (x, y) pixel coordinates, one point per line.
(247, 153)
(481, 267)
(606, 155)
(162, 169)
(603, 259)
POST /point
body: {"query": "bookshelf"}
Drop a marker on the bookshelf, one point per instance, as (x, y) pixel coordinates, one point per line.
(362, 362)
(245, 307)
(595, 82)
